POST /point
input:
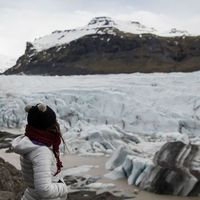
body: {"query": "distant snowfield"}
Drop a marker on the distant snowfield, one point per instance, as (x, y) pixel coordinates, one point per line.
(98, 113)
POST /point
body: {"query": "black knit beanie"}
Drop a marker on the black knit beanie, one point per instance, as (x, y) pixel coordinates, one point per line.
(40, 116)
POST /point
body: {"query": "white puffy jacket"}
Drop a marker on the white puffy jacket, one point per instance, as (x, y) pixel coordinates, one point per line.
(38, 167)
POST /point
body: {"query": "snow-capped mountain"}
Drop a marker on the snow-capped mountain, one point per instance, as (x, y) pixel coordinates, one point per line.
(6, 62)
(99, 25)
(107, 46)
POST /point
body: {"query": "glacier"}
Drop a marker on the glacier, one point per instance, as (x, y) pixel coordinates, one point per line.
(137, 103)
(131, 116)
(98, 113)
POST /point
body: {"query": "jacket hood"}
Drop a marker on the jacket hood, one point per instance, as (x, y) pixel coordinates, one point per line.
(23, 145)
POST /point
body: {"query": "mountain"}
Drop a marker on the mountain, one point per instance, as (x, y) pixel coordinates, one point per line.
(6, 62)
(106, 46)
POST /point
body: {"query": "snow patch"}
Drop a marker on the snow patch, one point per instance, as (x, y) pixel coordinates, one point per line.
(100, 25)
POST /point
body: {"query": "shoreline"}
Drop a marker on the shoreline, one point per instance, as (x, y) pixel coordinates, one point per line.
(95, 166)
(120, 184)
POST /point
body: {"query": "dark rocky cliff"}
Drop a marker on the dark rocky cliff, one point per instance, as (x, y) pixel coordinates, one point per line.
(113, 53)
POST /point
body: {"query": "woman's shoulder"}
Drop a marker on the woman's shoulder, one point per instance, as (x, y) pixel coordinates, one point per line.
(41, 153)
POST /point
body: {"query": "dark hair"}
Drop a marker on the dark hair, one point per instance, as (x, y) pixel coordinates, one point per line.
(55, 128)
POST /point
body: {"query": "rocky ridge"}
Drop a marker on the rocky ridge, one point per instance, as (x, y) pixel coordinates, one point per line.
(11, 182)
(106, 46)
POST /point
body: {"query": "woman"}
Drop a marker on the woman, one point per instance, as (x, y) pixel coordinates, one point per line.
(39, 150)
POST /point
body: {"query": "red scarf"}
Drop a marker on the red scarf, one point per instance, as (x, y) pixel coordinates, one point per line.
(47, 138)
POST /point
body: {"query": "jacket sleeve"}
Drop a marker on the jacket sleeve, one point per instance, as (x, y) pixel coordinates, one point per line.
(42, 160)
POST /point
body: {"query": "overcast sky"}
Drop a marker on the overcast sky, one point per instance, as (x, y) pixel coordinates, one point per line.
(24, 20)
